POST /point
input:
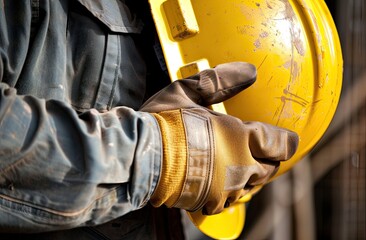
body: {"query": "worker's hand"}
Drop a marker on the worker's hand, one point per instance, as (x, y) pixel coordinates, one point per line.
(211, 159)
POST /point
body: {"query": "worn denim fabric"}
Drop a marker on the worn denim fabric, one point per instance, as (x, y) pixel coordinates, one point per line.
(73, 149)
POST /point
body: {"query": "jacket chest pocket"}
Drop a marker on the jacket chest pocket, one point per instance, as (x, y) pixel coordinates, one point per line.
(100, 46)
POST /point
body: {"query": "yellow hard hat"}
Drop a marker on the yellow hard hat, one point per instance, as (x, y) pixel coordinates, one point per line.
(296, 49)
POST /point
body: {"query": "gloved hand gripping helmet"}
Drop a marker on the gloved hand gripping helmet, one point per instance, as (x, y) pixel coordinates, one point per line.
(296, 49)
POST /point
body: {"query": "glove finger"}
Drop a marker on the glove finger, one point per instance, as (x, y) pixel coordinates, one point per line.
(217, 205)
(267, 169)
(271, 143)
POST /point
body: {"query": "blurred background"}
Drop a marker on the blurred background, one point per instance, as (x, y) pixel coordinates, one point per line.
(323, 196)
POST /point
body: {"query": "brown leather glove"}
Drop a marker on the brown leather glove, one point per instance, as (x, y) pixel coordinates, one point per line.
(212, 159)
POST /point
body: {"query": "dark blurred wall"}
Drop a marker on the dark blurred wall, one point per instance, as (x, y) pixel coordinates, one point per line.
(339, 191)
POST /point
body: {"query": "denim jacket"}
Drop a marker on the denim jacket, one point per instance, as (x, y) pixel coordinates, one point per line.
(74, 150)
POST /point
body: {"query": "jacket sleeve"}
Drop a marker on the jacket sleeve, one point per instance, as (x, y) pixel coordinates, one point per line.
(60, 169)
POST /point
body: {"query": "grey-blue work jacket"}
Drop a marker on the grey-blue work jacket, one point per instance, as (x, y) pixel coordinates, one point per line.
(74, 150)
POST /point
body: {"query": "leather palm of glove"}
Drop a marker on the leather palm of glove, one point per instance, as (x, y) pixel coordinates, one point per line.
(210, 159)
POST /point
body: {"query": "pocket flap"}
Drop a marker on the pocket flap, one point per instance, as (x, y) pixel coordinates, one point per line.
(114, 14)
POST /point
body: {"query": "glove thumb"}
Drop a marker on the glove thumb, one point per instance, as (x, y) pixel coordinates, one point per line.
(205, 88)
(224, 81)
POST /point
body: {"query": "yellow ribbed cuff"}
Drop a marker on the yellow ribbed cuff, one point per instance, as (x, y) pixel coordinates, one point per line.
(173, 172)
